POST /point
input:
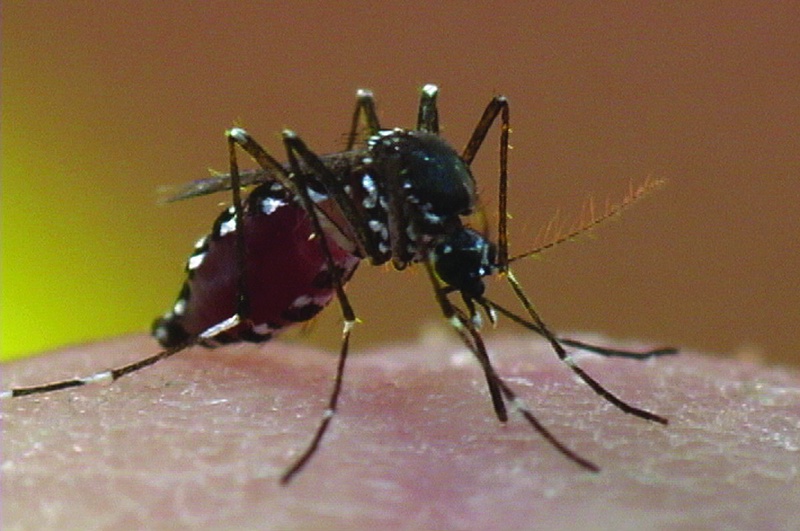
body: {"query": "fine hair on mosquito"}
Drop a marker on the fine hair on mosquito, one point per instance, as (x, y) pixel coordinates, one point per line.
(279, 255)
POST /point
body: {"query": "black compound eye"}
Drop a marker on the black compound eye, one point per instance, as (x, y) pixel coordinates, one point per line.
(462, 260)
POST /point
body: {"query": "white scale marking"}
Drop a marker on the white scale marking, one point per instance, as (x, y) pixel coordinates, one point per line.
(239, 134)
(316, 197)
(227, 227)
(195, 260)
(218, 328)
(270, 205)
(263, 329)
(180, 307)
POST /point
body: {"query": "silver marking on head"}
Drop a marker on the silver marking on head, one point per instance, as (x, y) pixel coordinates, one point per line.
(430, 90)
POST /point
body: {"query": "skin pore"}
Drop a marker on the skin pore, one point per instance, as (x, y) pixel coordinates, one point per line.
(201, 440)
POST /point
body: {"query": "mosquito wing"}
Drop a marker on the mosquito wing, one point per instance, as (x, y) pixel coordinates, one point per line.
(219, 182)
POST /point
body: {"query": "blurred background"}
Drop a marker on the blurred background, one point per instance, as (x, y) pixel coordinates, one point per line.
(103, 103)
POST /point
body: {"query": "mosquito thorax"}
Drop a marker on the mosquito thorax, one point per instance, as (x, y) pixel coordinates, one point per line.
(417, 186)
(462, 259)
(429, 171)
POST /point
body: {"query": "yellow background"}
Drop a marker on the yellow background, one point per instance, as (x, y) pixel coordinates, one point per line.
(102, 103)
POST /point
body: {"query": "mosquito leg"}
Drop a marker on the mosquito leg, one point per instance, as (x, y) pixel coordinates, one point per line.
(366, 239)
(428, 113)
(562, 355)
(477, 348)
(109, 376)
(365, 104)
(472, 338)
(242, 301)
(518, 404)
(619, 353)
(349, 316)
(603, 351)
(104, 377)
(498, 106)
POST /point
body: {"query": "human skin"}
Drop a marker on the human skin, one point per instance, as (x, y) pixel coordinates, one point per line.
(201, 440)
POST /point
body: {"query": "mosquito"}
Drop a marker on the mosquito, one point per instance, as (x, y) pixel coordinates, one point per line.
(281, 254)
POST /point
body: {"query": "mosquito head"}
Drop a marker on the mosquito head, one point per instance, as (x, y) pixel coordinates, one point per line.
(462, 259)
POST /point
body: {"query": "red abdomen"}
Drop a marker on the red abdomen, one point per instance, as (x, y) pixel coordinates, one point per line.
(286, 275)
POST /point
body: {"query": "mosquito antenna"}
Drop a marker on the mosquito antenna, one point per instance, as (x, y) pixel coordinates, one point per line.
(585, 225)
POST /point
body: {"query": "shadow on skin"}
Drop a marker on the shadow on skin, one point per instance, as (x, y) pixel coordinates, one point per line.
(201, 439)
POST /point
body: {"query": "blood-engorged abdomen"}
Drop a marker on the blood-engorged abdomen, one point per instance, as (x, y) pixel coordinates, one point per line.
(286, 275)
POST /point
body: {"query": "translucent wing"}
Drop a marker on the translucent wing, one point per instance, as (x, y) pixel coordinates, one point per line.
(218, 182)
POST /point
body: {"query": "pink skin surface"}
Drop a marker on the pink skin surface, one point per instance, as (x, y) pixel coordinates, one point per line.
(200, 440)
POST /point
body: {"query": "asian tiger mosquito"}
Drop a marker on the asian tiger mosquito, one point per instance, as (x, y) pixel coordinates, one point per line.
(398, 195)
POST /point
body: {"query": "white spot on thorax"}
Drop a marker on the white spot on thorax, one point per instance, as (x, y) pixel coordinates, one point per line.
(368, 183)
